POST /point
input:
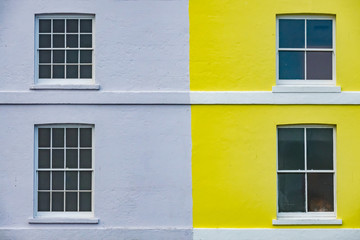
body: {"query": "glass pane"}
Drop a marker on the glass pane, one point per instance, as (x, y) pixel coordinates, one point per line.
(319, 65)
(86, 56)
(44, 26)
(319, 145)
(85, 137)
(45, 41)
(291, 192)
(72, 25)
(57, 180)
(71, 180)
(86, 41)
(44, 71)
(319, 33)
(44, 56)
(71, 137)
(58, 71)
(58, 56)
(71, 201)
(85, 180)
(57, 158)
(58, 40)
(58, 137)
(43, 201)
(71, 71)
(57, 201)
(85, 201)
(44, 180)
(320, 192)
(291, 149)
(86, 26)
(291, 33)
(72, 41)
(71, 158)
(291, 65)
(58, 25)
(44, 137)
(85, 71)
(72, 56)
(44, 158)
(85, 158)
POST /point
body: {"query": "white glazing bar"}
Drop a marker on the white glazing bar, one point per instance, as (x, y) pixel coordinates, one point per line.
(305, 158)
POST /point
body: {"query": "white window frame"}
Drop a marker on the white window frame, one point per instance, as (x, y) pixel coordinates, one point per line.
(64, 214)
(63, 81)
(307, 215)
(305, 82)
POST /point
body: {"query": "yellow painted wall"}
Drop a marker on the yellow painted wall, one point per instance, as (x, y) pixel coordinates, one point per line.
(234, 162)
(232, 42)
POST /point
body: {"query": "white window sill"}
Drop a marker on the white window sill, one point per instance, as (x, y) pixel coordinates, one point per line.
(64, 220)
(306, 89)
(65, 87)
(310, 221)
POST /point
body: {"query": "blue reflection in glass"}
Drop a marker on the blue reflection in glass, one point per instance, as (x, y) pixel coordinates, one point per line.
(319, 33)
(291, 65)
(291, 33)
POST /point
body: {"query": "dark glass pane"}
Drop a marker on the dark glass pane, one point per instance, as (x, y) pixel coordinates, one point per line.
(44, 158)
(291, 192)
(43, 201)
(71, 158)
(291, 149)
(85, 158)
(58, 40)
(86, 56)
(319, 33)
(71, 25)
(291, 33)
(85, 180)
(58, 137)
(57, 180)
(44, 71)
(72, 41)
(71, 201)
(45, 41)
(71, 180)
(86, 26)
(57, 158)
(319, 65)
(71, 71)
(85, 137)
(44, 137)
(44, 180)
(86, 41)
(319, 148)
(58, 56)
(57, 201)
(320, 192)
(58, 71)
(44, 56)
(71, 137)
(72, 56)
(44, 26)
(85, 71)
(58, 25)
(85, 201)
(291, 65)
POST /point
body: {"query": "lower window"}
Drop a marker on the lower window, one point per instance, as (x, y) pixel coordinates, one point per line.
(305, 171)
(64, 170)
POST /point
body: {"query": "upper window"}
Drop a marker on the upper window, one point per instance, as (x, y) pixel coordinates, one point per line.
(305, 50)
(64, 49)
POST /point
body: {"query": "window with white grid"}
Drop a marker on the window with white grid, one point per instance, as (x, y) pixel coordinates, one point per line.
(64, 49)
(64, 169)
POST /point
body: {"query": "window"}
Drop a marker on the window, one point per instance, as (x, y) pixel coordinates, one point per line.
(64, 170)
(306, 172)
(305, 50)
(64, 49)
